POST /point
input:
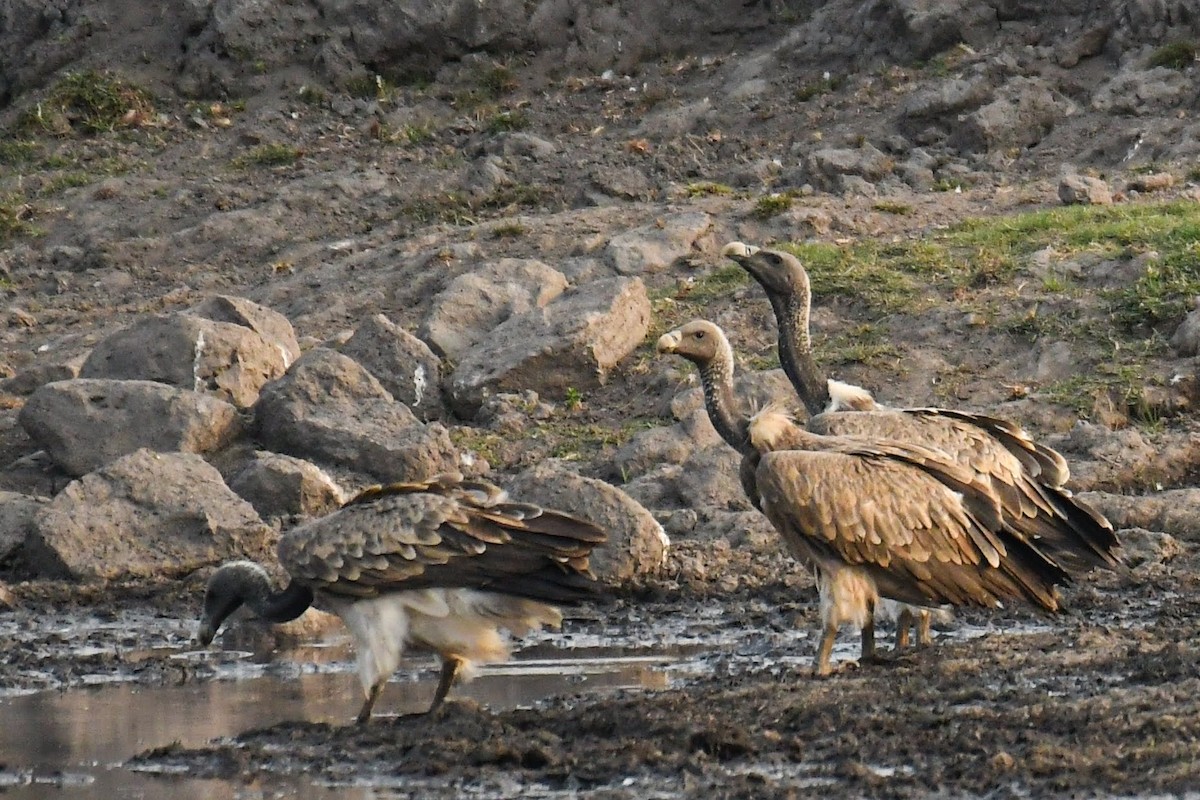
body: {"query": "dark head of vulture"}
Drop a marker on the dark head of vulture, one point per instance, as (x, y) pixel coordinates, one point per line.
(1027, 475)
(705, 345)
(442, 565)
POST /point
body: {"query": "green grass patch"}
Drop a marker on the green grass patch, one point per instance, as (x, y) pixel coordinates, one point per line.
(863, 344)
(707, 189)
(16, 218)
(18, 151)
(892, 207)
(1175, 55)
(275, 154)
(88, 102)
(506, 121)
(770, 205)
(459, 208)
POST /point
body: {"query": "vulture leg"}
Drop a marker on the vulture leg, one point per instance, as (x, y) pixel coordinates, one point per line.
(904, 621)
(825, 651)
(450, 667)
(924, 632)
(373, 693)
(868, 636)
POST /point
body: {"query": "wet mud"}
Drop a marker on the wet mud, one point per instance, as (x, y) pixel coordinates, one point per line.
(673, 694)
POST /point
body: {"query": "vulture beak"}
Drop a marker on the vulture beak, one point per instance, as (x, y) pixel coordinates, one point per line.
(668, 342)
(736, 250)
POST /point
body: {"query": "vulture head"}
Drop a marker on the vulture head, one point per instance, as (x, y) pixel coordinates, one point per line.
(228, 588)
(699, 341)
(779, 273)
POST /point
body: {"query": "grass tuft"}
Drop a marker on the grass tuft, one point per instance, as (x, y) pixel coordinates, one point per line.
(88, 102)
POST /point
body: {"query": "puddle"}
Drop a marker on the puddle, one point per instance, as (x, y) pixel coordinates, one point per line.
(71, 744)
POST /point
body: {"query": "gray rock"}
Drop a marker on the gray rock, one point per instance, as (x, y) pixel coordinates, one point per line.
(1186, 339)
(649, 449)
(231, 361)
(1142, 548)
(271, 325)
(17, 513)
(828, 165)
(526, 145)
(1083, 190)
(403, 364)
(280, 486)
(1176, 511)
(476, 302)
(146, 515)
(330, 410)
(1025, 111)
(627, 183)
(571, 343)
(653, 248)
(484, 177)
(31, 378)
(946, 97)
(86, 423)
(709, 480)
(1141, 92)
(636, 542)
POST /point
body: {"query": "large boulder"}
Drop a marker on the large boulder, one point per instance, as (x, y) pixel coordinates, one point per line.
(655, 247)
(476, 302)
(281, 486)
(637, 544)
(86, 423)
(571, 343)
(229, 360)
(330, 410)
(146, 515)
(271, 325)
(404, 365)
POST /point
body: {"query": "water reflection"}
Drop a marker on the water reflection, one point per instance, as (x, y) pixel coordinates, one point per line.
(71, 744)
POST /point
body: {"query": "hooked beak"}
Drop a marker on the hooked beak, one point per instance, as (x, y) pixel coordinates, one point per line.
(738, 250)
(205, 634)
(669, 342)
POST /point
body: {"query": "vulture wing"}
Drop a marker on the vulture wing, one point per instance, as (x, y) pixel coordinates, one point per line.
(444, 533)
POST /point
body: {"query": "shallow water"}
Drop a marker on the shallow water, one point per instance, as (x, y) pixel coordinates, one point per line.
(72, 743)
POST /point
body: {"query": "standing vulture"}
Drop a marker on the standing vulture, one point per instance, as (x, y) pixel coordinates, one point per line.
(849, 591)
(442, 564)
(1028, 477)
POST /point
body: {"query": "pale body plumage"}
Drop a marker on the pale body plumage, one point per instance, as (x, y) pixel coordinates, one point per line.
(443, 565)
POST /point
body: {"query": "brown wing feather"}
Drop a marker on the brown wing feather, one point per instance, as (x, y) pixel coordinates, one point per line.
(445, 532)
(924, 544)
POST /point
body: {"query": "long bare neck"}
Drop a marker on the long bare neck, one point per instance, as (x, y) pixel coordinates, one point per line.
(795, 350)
(717, 378)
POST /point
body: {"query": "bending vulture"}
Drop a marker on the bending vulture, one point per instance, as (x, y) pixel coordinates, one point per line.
(875, 518)
(442, 564)
(1027, 477)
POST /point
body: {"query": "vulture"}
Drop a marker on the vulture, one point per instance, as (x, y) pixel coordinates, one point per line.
(849, 591)
(1027, 477)
(441, 565)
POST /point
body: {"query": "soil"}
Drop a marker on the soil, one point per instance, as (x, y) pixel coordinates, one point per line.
(373, 212)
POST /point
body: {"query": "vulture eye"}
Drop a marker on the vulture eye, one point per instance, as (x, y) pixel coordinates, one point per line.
(699, 334)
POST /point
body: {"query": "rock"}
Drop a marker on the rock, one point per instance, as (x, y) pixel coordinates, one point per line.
(1176, 511)
(525, 145)
(653, 248)
(485, 177)
(86, 423)
(404, 364)
(946, 97)
(1155, 182)
(280, 486)
(17, 513)
(330, 410)
(1025, 111)
(476, 302)
(571, 343)
(1140, 547)
(31, 378)
(709, 480)
(1186, 339)
(1141, 92)
(636, 542)
(649, 449)
(627, 183)
(269, 324)
(146, 515)
(229, 360)
(829, 165)
(1083, 190)
(1087, 44)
